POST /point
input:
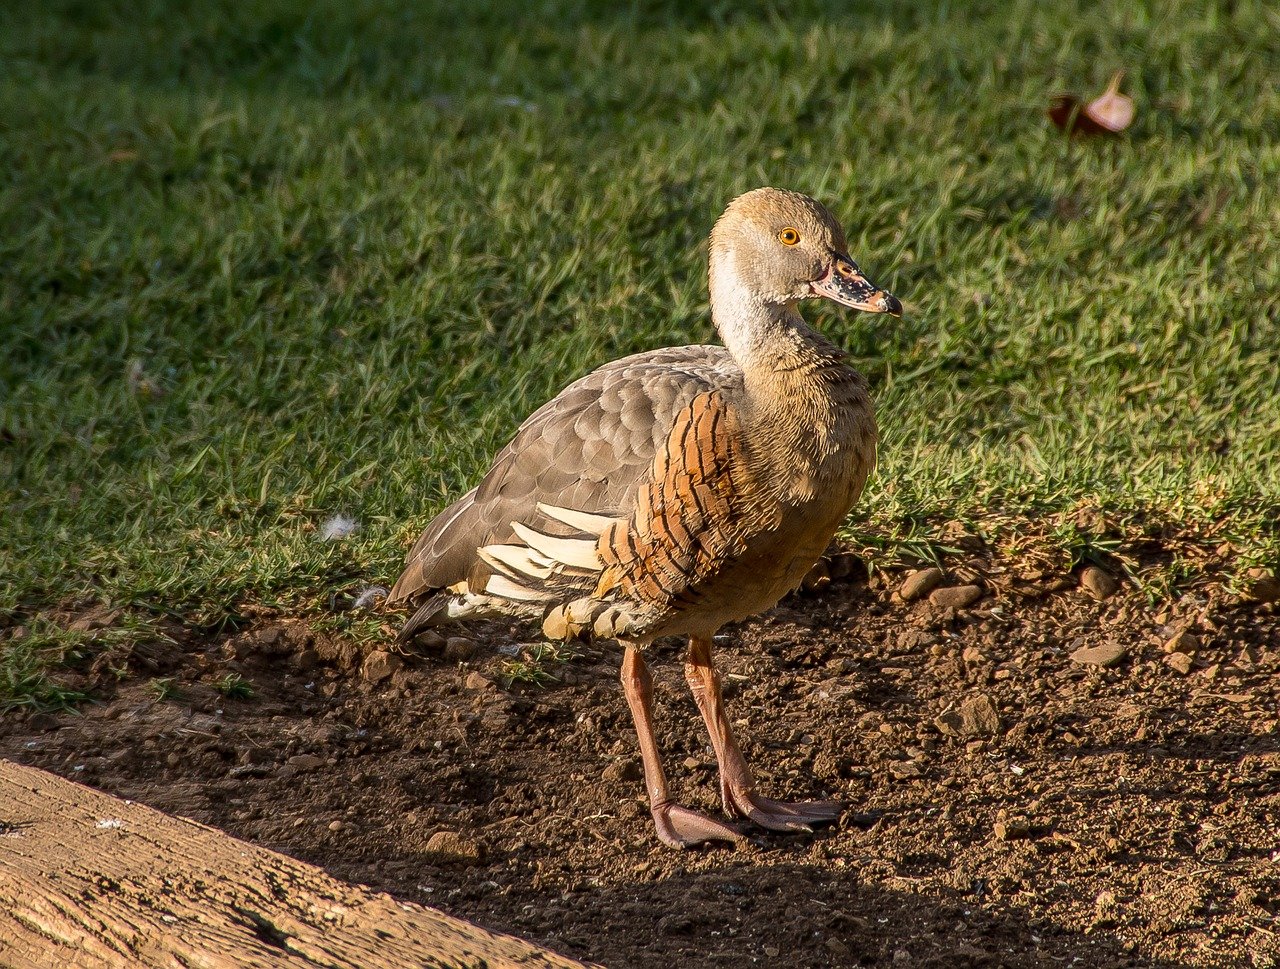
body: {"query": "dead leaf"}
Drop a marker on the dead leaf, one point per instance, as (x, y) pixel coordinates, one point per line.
(1108, 114)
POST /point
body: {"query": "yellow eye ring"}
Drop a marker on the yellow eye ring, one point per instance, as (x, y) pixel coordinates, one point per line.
(788, 236)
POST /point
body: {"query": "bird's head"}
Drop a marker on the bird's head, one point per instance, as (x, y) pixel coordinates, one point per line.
(778, 247)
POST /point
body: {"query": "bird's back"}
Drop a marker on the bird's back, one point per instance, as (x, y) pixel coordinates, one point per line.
(586, 449)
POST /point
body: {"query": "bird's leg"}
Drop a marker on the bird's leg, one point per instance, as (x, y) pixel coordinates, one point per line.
(737, 786)
(677, 826)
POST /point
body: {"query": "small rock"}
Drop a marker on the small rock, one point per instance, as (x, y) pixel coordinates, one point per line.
(622, 772)
(1106, 654)
(459, 649)
(42, 722)
(336, 825)
(847, 565)
(920, 583)
(905, 770)
(478, 682)
(692, 763)
(379, 665)
(837, 948)
(956, 596)
(1012, 830)
(97, 619)
(911, 640)
(429, 640)
(255, 755)
(306, 660)
(306, 761)
(1180, 662)
(450, 846)
(975, 717)
(1099, 583)
(1262, 585)
(973, 655)
(1182, 642)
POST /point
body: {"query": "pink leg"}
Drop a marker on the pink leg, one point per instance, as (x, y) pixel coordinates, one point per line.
(737, 786)
(677, 826)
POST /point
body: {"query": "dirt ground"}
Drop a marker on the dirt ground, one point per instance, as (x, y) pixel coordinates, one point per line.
(1012, 802)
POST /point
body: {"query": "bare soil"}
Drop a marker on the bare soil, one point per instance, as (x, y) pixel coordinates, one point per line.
(1009, 805)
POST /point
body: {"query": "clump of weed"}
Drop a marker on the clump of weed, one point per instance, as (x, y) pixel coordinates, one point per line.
(234, 687)
(533, 665)
(163, 688)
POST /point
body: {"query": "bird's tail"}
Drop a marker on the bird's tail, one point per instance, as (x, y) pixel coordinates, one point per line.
(452, 605)
(427, 615)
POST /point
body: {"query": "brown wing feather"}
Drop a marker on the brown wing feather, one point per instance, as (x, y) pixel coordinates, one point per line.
(587, 449)
(687, 517)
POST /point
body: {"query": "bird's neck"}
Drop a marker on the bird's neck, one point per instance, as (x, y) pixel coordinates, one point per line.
(800, 395)
(765, 334)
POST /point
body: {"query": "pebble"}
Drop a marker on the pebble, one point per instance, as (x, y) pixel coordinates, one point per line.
(920, 583)
(1182, 642)
(974, 655)
(306, 660)
(1012, 830)
(1262, 585)
(42, 722)
(336, 825)
(94, 621)
(692, 763)
(306, 761)
(1180, 662)
(956, 596)
(844, 565)
(622, 772)
(478, 681)
(379, 665)
(450, 846)
(1106, 654)
(1099, 583)
(910, 640)
(975, 717)
(459, 649)
(430, 639)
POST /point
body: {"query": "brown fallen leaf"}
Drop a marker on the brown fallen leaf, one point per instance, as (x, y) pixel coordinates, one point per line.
(1108, 114)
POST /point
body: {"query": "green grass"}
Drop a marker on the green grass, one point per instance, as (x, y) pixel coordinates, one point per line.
(234, 687)
(536, 665)
(266, 262)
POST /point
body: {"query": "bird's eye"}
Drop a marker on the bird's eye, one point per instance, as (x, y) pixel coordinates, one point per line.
(788, 236)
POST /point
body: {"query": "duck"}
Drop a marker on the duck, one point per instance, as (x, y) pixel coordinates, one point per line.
(674, 491)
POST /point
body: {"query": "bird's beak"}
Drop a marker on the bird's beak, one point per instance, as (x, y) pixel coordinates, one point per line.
(844, 283)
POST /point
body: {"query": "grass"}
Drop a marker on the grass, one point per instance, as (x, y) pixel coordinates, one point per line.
(163, 688)
(535, 665)
(265, 263)
(234, 687)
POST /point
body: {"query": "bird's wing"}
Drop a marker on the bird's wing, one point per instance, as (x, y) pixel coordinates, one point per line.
(585, 450)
